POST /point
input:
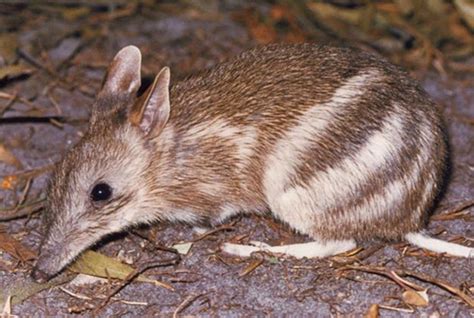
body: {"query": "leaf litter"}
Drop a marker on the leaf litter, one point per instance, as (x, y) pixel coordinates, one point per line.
(89, 263)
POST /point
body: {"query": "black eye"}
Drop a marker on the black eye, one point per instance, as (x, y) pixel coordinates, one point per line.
(101, 192)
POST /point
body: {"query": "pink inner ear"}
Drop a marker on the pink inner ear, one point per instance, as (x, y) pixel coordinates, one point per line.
(128, 83)
(123, 75)
(156, 111)
(152, 114)
(146, 123)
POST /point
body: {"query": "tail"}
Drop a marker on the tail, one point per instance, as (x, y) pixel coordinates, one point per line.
(439, 246)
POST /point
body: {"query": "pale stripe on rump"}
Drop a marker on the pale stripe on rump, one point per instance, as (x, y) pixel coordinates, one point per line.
(341, 182)
(394, 196)
(339, 185)
(299, 207)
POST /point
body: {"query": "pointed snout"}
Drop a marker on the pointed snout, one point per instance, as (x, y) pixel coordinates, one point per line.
(47, 265)
(39, 276)
(42, 270)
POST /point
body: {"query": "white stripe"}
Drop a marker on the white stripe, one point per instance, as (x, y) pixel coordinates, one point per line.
(340, 183)
(226, 211)
(216, 128)
(292, 148)
(310, 126)
(396, 191)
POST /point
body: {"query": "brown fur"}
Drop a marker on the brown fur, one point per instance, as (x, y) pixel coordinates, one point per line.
(193, 168)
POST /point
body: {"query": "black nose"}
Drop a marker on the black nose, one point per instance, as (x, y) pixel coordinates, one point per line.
(39, 276)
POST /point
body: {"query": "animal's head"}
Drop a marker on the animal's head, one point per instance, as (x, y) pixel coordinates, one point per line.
(101, 184)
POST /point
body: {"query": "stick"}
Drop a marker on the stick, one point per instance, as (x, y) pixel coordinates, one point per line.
(21, 210)
(217, 229)
(186, 302)
(134, 274)
(423, 277)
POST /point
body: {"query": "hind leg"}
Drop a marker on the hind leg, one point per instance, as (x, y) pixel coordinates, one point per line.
(295, 206)
(309, 250)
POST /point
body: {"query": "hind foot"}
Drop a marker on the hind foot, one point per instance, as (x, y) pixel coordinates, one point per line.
(309, 250)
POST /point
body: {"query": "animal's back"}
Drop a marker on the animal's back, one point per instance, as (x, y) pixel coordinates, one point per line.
(336, 143)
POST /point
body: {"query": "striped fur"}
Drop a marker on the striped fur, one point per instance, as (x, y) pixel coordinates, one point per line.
(340, 145)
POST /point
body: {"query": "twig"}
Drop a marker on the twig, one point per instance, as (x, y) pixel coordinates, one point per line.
(217, 229)
(55, 103)
(13, 212)
(186, 302)
(252, 266)
(155, 245)
(134, 303)
(451, 212)
(33, 61)
(423, 277)
(364, 254)
(44, 66)
(134, 274)
(410, 310)
(9, 104)
(21, 210)
(31, 173)
(25, 191)
(12, 98)
(78, 296)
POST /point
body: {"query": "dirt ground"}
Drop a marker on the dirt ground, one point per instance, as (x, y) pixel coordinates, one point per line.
(62, 50)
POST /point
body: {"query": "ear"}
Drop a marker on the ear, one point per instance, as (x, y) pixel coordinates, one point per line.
(151, 112)
(123, 74)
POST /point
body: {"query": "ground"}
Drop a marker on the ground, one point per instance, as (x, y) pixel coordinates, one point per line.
(61, 52)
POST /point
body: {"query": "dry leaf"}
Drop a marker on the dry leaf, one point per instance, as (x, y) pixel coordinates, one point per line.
(7, 309)
(11, 71)
(83, 279)
(352, 252)
(8, 47)
(183, 248)
(24, 289)
(328, 11)
(373, 311)
(15, 248)
(405, 282)
(9, 182)
(416, 298)
(8, 157)
(75, 13)
(251, 267)
(96, 264)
